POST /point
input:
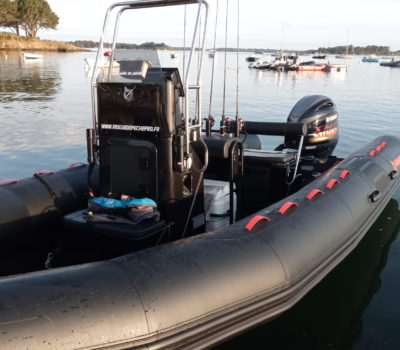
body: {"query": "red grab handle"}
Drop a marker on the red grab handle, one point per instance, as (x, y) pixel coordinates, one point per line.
(383, 144)
(332, 183)
(40, 172)
(254, 221)
(9, 181)
(372, 153)
(73, 165)
(286, 206)
(344, 173)
(313, 193)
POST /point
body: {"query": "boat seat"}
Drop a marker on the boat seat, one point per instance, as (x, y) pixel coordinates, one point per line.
(267, 157)
(77, 222)
(219, 146)
(265, 177)
(224, 157)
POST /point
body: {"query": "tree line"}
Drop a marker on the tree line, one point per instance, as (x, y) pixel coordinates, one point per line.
(28, 15)
(358, 50)
(94, 44)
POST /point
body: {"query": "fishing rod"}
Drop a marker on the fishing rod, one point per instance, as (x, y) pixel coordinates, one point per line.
(223, 126)
(213, 63)
(237, 74)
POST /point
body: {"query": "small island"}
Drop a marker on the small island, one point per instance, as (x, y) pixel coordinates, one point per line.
(15, 42)
(29, 16)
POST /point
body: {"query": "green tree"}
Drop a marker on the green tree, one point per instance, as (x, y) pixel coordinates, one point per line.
(36, 14)
(9, 15)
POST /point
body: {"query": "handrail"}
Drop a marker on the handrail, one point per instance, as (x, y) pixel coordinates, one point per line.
(116, 27)
(186, 74)
(136, 4)
(8, 181)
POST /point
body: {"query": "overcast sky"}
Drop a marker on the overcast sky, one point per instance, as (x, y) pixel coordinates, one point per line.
(305, 24)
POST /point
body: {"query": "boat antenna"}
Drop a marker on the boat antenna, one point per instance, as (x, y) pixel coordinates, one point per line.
(223, 131)
(213, 63)
(237, 73)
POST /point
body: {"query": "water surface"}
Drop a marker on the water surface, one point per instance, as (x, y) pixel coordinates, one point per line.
(45, 109)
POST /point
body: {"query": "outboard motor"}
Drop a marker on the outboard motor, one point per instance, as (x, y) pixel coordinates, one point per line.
(320, 114)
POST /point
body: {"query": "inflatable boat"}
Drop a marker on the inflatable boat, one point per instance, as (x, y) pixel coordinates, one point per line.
(177, 233)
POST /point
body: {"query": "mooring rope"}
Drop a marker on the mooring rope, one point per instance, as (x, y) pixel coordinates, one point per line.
(213, 63)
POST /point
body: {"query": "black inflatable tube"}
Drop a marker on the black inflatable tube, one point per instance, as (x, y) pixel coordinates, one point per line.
(29, 204)
(198, 291)
(272, 128)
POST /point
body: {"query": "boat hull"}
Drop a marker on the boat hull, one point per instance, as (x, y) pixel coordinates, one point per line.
(40, 201)
(366, 59)
(312, 68)
(32, 56)
(345, 56)
(334, 67)
(198, 291)
(390, 64)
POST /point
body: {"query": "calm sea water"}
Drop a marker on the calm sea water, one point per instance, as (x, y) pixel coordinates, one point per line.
(45, 109)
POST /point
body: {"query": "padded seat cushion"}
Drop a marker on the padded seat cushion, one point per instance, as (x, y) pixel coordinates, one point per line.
(219, 146)
(77, 220)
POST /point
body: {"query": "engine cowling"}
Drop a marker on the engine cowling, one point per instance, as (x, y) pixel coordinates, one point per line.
(320, 114)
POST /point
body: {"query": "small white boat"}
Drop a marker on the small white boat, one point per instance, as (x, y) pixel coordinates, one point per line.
(103, 63)
(345, 56)
(335, 67)
(32, 56)
(102, 66)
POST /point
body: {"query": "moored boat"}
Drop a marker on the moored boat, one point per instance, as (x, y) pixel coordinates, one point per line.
(251, 58)
(311, 67)
(32, 56)
(390, 63)
(345, 56)
(370, 58)
(319, 56)
(335, 67)
(241, 234)
(102, 64)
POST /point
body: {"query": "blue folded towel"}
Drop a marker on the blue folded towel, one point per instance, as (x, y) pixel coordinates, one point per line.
(112, 203)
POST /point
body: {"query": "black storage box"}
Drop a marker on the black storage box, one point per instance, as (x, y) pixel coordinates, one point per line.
(265, 177)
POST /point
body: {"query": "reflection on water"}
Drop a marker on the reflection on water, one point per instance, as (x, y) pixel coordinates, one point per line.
(44, 110)
(28, 80)
(332, 315)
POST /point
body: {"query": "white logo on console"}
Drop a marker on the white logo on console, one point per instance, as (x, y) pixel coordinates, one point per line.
(128, 94)
(140, 128)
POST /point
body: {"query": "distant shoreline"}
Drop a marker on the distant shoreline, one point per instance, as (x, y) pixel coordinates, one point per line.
(12, 42)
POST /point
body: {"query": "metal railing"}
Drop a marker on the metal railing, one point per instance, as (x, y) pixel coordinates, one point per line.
(139, 4)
